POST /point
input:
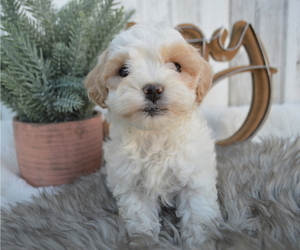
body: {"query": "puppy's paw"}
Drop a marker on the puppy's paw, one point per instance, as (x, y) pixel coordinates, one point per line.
(193, 235)
(143, 241)
(143, 230)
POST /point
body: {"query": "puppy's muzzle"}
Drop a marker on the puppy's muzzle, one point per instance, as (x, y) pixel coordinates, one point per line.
(153, 92)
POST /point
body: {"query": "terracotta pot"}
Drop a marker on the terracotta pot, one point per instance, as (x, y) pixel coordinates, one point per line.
(56, 153)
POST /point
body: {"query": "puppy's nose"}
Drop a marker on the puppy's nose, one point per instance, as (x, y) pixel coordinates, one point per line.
(153, 92)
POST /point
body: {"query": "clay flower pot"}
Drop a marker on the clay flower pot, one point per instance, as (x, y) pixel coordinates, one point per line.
(57, 153)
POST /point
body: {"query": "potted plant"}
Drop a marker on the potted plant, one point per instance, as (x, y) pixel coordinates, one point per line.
(45, 55)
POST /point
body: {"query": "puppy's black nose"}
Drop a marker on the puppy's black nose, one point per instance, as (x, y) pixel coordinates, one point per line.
(153, 92)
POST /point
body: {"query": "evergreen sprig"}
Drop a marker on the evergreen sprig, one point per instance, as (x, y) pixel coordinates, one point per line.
(46, 53)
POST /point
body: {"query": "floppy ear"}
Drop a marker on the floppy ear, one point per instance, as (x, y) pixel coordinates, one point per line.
(205, 80)
(95, 83)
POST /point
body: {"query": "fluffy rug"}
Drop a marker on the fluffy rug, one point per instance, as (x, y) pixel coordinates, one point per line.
(259, 195)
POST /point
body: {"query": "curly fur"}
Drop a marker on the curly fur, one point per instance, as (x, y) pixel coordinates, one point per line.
(164, 157)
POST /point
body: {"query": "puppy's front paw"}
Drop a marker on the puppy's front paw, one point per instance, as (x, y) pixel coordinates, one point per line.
(193, 235)
(143, 229)
(143, 241)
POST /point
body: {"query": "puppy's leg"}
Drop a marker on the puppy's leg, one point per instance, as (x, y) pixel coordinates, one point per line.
(197, 207)
(141, 214)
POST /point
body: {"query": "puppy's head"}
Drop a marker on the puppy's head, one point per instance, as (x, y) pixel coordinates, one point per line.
(149, 77)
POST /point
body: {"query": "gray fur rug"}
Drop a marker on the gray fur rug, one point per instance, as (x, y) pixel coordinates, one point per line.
(259, 195)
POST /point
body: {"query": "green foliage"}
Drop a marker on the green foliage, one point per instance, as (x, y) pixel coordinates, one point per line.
(46, 53)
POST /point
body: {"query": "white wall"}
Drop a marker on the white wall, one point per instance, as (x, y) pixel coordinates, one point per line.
(291, 78)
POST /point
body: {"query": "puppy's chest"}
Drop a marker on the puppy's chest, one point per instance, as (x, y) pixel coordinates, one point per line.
(157, 164)
(160, 173)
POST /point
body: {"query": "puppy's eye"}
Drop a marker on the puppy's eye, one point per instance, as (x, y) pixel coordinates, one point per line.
(124, 71)
(177, 67)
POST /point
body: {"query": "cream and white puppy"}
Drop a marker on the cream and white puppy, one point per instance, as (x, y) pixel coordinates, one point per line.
(160, 151)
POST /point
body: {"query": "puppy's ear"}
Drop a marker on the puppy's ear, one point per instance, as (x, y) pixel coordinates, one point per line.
(205, 80)
(95, 83)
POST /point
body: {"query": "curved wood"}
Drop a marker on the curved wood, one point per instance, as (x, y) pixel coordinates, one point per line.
(242, 35)
(240, 69)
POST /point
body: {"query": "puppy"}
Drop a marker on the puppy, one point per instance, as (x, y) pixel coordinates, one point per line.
(160, 151)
